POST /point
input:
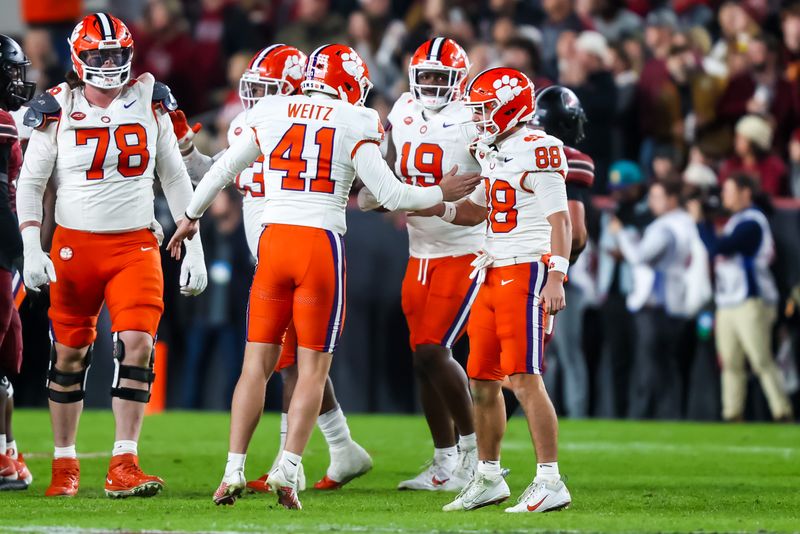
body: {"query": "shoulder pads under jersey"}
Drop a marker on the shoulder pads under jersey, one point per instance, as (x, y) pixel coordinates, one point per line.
(162, 96)
(41, 110)
(580, 168)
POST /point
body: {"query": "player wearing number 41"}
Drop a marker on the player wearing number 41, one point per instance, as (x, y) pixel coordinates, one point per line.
(275, 70)
(526, 197)
(427, 137)
(314, 146)
(103, 136)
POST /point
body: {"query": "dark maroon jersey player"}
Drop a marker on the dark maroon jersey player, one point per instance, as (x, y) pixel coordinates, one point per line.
(15, 90)
(560, 114)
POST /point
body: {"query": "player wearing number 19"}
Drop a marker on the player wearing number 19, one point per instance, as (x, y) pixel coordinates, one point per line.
(524, 198)
(428, 136)
(313, 145)
(103, 136)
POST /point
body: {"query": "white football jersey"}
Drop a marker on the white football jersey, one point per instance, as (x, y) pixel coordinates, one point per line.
(524, 184)
(308, 146)
(104, 160)
(427, 148)
(249, 182)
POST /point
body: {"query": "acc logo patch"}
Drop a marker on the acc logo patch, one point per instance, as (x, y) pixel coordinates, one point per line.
(78, 116)
(237, 130)
(408, 120)
(65, 253)
(54, 90)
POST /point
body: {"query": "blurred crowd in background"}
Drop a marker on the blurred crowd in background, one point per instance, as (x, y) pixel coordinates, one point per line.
(695, 91)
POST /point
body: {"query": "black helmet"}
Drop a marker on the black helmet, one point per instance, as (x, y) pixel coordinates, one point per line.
(15, 90)
(559, 113)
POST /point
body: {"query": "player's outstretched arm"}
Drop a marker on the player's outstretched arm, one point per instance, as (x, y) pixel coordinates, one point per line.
(236, 159)
(197, 163)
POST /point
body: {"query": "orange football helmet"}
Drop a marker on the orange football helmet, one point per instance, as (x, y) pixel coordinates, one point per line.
(500, 98)
(339, 71)
(275, 70)
(443, 56)
(102, 50)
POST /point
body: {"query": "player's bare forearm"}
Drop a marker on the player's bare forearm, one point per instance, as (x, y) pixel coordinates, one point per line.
(468, 213)
(577, 217)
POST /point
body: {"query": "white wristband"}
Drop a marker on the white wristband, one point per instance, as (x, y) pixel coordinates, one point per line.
(449, 214)
(559, 263)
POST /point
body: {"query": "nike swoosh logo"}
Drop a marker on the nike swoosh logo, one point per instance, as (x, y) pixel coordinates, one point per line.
(129, 104)
(145, 249)
(436, 482)
(505, 282)
(445, 125)
(291, 462)
(537, 505)
(109, 481)
(506, 160)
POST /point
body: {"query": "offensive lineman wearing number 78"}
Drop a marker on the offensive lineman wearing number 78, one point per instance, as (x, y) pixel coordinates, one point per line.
(102, 137)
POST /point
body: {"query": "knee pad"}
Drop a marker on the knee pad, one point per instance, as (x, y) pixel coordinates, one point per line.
(67, 379)
(131, 372)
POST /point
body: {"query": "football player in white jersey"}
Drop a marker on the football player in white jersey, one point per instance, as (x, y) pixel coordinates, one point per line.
(426, 135)
(277, 70)
(314, 145)
(523, 201)
(103, 137)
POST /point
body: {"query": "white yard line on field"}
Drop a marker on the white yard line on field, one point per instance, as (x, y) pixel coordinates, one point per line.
(647, 447)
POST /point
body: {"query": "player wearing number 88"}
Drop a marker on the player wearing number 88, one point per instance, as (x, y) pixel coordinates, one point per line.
(428, 136)
(103, 137)
(524, 202)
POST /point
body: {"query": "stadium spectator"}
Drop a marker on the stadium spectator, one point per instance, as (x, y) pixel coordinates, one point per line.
(614, 20)
(164, 48)
(376, 36)
(588, 74)
(656, 97)
(794, 159)
(737, 27)
(560, 17)
(615, 285)
(522, 54)
(625, 132)
(746, 298)
(752, 155)
(55, 18)
(315, 26)
(790, 56)
(761, 89)
(659, 261)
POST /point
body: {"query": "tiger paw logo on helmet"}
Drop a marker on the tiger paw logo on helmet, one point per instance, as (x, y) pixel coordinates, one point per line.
(293, 68)
(353, 65)
(506, 88)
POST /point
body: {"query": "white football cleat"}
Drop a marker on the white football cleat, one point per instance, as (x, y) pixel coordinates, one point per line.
(482, 490)
(434, 478)
(347, 463)
(230, 489)
(542, 496)
(285, 488)
(467, 464)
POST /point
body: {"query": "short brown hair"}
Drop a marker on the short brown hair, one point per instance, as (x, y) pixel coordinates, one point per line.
(745, 181)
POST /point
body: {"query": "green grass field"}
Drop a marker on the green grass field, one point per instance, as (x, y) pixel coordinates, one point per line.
(634, 477)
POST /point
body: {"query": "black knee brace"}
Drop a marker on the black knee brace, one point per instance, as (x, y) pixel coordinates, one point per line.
(131, 372)
(67, 379)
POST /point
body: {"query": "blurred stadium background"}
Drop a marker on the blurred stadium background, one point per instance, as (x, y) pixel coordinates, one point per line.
(664, 85)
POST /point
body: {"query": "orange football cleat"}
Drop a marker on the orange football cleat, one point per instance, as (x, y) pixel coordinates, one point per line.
(65, 479)
(23, 472)
(126, 479)
(8, 469)
(327, 483)
(260, 485)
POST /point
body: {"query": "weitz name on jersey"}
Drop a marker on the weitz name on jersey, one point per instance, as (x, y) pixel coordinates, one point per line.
(309, 111)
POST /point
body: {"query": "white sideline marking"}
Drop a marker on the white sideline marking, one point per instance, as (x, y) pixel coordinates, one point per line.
(645, 446)
(88, 455)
